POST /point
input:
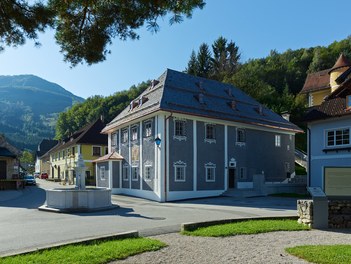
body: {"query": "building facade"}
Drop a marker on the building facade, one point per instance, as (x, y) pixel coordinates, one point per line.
(329, 141)
(188, 137)
(9, 160)
(42, 161)
(88, 142)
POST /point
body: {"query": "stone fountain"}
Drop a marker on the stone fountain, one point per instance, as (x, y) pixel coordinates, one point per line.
(78, 199)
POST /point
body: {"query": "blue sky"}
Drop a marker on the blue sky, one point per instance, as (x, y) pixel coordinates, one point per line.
(256, 26)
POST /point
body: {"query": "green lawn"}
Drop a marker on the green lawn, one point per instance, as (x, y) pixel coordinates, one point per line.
(333, 254)
(95, 252)
(248, 227)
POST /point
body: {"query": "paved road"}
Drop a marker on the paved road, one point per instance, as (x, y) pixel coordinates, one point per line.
(24, 227)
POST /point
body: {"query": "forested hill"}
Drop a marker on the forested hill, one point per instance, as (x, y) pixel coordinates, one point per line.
(29, 107)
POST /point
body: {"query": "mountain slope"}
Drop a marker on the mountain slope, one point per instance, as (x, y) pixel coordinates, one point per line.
(29, 107)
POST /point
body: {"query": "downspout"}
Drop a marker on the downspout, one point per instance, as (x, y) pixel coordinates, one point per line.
(165, 167)
(309, 156)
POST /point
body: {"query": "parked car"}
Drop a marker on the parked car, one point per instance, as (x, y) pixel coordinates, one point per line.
(29, 180)
(36, 174)
(44, 175)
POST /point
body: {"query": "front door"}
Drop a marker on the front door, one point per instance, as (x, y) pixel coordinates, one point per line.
(231, 178)
(3, 169)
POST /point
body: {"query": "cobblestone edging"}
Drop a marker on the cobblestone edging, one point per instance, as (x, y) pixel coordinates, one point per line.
(339, 213)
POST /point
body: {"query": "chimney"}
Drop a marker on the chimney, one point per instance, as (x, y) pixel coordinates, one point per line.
(102, 118)
(229, 92)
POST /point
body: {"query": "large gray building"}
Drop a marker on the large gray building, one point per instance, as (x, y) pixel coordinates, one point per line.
(187, 137)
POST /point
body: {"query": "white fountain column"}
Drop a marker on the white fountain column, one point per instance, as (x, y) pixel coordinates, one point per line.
(80, 173)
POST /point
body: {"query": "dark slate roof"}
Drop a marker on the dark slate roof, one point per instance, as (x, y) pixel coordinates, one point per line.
(90, 134)
(316, 81)
(5, 145)
(4, 152)
(182, 93)
(44, 146)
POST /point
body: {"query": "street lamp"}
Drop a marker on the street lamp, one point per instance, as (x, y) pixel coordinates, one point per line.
(158, 141)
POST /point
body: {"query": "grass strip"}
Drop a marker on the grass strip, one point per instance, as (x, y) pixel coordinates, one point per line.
(323, 254)
(94, 252)
(247, 227)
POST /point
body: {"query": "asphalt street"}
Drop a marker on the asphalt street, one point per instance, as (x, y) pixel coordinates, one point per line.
(24, 227)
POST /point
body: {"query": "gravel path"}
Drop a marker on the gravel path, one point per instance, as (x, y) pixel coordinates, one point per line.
(261, 248)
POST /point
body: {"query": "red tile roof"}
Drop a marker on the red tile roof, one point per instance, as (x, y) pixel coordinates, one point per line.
(316, 81)
(342, 61)
(333, 106)
(111, 156)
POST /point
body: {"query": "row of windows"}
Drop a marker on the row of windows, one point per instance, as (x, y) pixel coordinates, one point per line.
(148, 171)
(62, 154)
(96, 151)
(180, 133)
(210, 172)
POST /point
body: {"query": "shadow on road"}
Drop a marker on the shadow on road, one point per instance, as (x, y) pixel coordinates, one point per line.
(121, 212)
(31, 198)
(266, 202)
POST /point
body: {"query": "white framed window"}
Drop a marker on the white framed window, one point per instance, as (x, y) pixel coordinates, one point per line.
(179, 171)
(242, 174)
(124, 135)
(96, 151)
(210, 133)
(125, 172)
(240, 137)
(135, 173)
(179, 129)
(338, 137)
(210, 169)
(102, 173)
(148, 172)
(134, 133)
(277, 140)
(148, 128)
(114, 141)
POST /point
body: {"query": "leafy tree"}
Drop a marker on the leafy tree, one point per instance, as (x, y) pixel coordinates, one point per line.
(84, 29)
(27, 158)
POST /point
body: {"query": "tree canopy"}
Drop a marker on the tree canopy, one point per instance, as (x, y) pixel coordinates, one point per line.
(85, 29)
(109, 107)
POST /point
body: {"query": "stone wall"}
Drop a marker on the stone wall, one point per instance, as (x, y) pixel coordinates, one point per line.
(339, 212)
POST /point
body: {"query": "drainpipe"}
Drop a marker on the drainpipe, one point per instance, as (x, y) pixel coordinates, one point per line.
(309, 156)
(165, 142)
